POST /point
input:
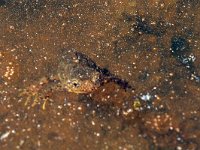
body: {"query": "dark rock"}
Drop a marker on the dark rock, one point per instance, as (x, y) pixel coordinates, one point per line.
(181, 51)
(145, 27)
(179, 46)
(2, 3)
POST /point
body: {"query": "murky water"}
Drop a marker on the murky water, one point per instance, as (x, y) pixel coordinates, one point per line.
(150, 45)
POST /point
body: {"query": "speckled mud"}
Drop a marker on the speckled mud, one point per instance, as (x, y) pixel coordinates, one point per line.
(152, 45)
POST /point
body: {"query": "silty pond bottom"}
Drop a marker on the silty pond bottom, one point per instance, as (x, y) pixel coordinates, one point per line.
(99, 74)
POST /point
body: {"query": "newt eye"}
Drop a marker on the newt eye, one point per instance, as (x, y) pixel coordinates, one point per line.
(75, 83)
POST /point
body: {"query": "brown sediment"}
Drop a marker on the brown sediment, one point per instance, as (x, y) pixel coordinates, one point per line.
(33, 37)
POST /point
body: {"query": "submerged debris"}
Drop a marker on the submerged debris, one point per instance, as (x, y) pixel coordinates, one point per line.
(146, 97)
(4, 135)
(143, 26)
(2, 3)
(179, 47)
(181, 51)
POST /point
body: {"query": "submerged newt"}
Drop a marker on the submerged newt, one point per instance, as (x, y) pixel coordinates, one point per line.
(76, 73)
(80, 74)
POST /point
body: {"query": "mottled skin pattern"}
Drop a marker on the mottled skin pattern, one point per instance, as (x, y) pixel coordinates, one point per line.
(79, 74)
(76, 76)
